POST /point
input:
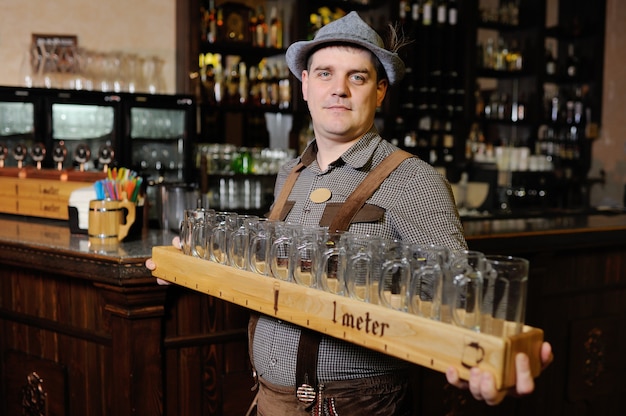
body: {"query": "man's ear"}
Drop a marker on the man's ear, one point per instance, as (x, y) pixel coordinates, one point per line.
(381, 91)
(305, 88)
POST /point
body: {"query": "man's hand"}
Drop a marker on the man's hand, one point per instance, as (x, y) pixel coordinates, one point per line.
(482, 384)
(151, 265)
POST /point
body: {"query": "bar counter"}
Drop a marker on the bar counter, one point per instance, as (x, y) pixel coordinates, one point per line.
(105, 339)
(533, 233)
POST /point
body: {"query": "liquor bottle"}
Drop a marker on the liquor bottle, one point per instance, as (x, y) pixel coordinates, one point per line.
(261, 28)
(514, 57)
(438, 40)
(274, 85)
(208, 83)
(415, 13)
(264, 84)
(399, 131)
(489, 52)
(447, 152)
(252, 24)
(403, 6)
(551, 65)
(569, 110)
(408, 92)
(451, 54)
(453, 13)
(572, 63)
(255, 89)
(405, 16)
(555, 108)
(479, 109)
(427, 13)
(243, 84)
(219, 85)
(232, 85)
(284, 86)
(579, 113)
(442, 12)
(521, 107)
(212, 23)
(275, 32)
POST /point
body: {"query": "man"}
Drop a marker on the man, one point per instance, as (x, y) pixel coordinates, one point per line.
(345, 72)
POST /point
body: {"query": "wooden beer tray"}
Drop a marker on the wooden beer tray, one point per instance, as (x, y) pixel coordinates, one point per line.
(432, 344)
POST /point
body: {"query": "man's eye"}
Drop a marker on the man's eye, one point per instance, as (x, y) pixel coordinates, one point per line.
(358, 79)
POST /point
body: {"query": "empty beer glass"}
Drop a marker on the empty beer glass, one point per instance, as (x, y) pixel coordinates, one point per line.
(200, 231)
(225, 223)
(306, 252)
(429, 265)
(191, 217)
(394, 272)
(504, 300)
(238, 240)
(330, 273)
(259, 246)
(359, 261)
(282, 251)
(467, 269)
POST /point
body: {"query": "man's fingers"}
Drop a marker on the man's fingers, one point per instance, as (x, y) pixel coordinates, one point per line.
(546, 355)
(525, 382)
(452, 375)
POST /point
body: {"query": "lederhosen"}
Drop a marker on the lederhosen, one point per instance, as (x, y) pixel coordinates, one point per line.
(308, 390)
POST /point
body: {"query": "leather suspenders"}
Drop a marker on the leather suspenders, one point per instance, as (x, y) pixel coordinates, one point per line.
(356, 200)
(284, 193)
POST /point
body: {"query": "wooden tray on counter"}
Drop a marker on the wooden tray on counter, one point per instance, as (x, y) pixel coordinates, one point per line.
(41, 193)
(422, 341)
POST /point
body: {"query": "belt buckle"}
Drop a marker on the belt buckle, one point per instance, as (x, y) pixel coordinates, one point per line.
(306, 393)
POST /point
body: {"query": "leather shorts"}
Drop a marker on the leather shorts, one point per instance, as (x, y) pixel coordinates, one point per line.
(386, 395)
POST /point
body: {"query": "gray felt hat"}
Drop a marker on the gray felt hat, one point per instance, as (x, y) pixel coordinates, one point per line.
(349, 29)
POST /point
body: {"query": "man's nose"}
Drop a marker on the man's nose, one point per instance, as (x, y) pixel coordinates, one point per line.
(340, 88)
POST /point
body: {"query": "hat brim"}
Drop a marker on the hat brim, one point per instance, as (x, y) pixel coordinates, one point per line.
(298, 53)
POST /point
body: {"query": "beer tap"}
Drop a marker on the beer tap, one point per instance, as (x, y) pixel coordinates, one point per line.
(59, 153)
(38, 154)
(82, 154)
(19, 154)
(4, 153)
(105, 156)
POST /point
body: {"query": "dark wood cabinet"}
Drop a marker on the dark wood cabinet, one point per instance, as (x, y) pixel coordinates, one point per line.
(90, 333)
(577, 287)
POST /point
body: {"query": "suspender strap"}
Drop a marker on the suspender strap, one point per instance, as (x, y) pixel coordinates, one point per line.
(284, 193)
(366, 188)
(306, 365)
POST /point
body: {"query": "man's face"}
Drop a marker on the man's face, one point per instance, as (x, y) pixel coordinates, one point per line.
(342, 93)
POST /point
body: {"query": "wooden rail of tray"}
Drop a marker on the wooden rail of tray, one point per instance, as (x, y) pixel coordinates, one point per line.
(422, 341)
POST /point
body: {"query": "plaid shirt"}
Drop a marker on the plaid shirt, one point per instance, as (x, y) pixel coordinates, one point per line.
(419, 208)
